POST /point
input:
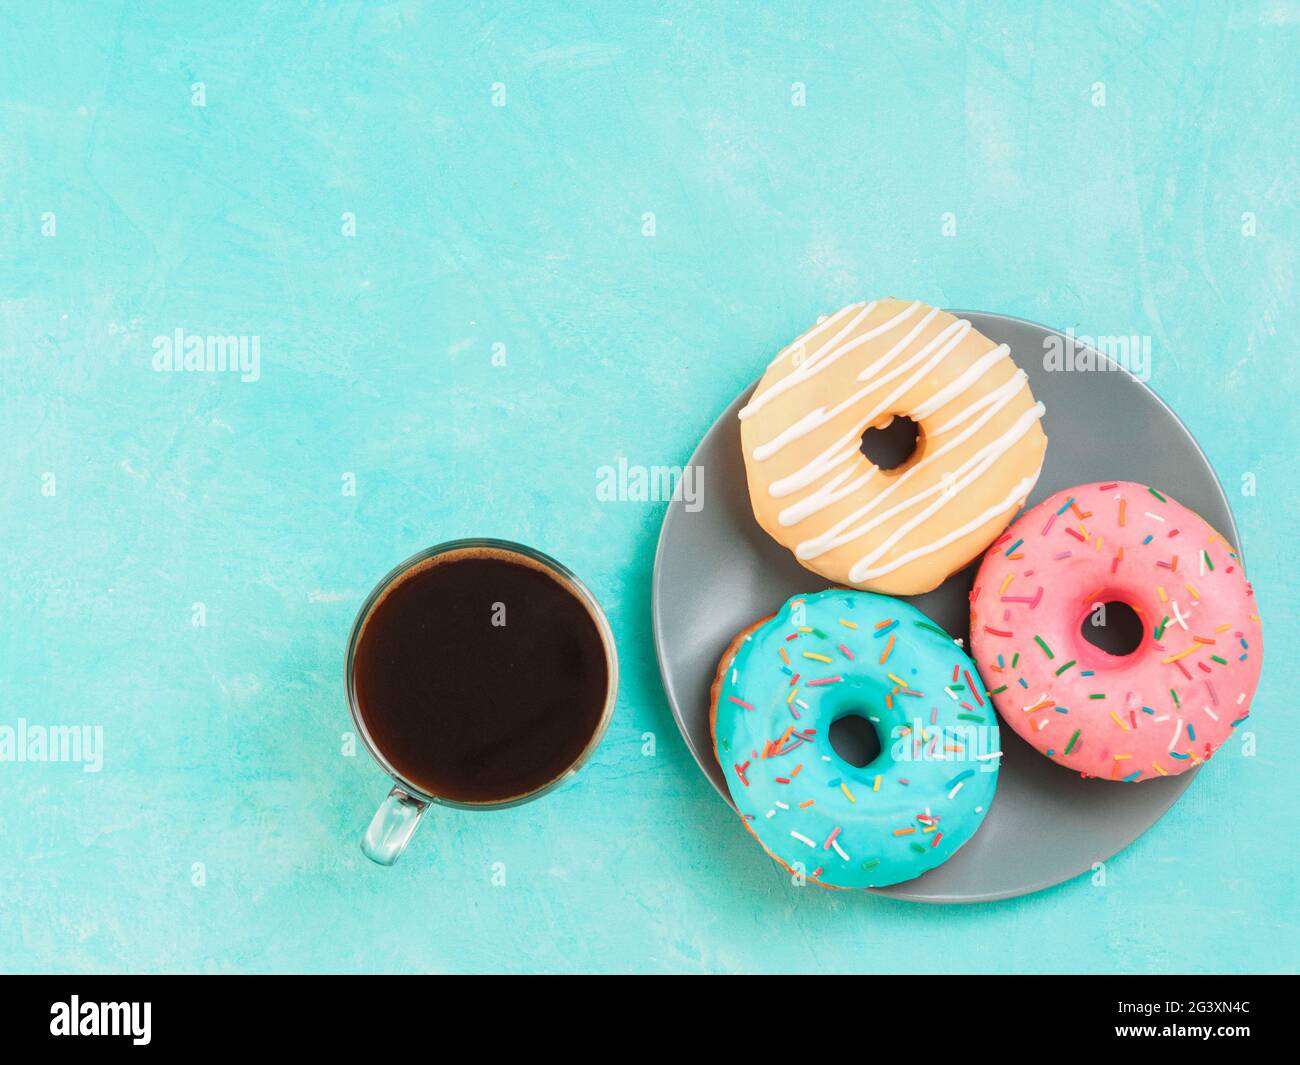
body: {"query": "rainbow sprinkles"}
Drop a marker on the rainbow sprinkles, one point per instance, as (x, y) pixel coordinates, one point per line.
(838, 824)
(1158, 711)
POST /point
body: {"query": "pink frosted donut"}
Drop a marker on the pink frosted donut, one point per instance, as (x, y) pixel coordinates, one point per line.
(1165, 707)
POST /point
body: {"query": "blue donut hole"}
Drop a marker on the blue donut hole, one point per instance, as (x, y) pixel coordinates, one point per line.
(855, 739)
(1113, 627)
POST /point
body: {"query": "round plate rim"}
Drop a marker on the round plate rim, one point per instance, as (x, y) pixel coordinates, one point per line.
(894, 891)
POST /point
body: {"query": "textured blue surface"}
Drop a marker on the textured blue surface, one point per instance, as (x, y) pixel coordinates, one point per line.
(523, 225)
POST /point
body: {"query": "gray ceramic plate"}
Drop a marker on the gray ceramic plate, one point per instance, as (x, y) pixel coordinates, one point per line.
(716, 571)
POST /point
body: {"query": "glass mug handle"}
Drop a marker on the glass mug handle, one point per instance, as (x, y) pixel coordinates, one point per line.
(392, 826)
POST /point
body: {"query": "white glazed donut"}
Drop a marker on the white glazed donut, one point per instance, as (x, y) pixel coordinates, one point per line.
(902, 531)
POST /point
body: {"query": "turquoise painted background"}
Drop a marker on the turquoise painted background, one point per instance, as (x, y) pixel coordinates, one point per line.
(126, 212)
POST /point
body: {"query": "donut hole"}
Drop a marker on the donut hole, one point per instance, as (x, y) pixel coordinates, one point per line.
(855, 739)
(1113, 627)
(891, 445)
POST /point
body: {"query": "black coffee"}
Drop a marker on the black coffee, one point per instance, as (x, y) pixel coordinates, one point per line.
(480, 677)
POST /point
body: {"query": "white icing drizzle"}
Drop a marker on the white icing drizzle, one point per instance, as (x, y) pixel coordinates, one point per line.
(947, 339)
(861, 571)
(824, 496)
(996, 400)
(822, 358)
(818, 467)
(950, 391)
(1013, 385)
(824, 324)
(809, 366)
(982, 460)
(871, 556)
(868, 372)
(818, 417)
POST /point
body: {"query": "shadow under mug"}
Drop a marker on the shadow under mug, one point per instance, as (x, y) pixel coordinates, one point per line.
(398, 815)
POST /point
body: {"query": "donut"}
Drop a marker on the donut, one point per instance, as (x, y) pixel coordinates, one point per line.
(785, 680)
(900, 531)
(1158, 711)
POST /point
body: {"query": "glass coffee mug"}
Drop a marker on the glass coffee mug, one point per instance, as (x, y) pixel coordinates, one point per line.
(481, 674)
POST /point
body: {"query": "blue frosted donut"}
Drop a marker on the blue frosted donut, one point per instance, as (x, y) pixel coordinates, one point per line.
(779, 688)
